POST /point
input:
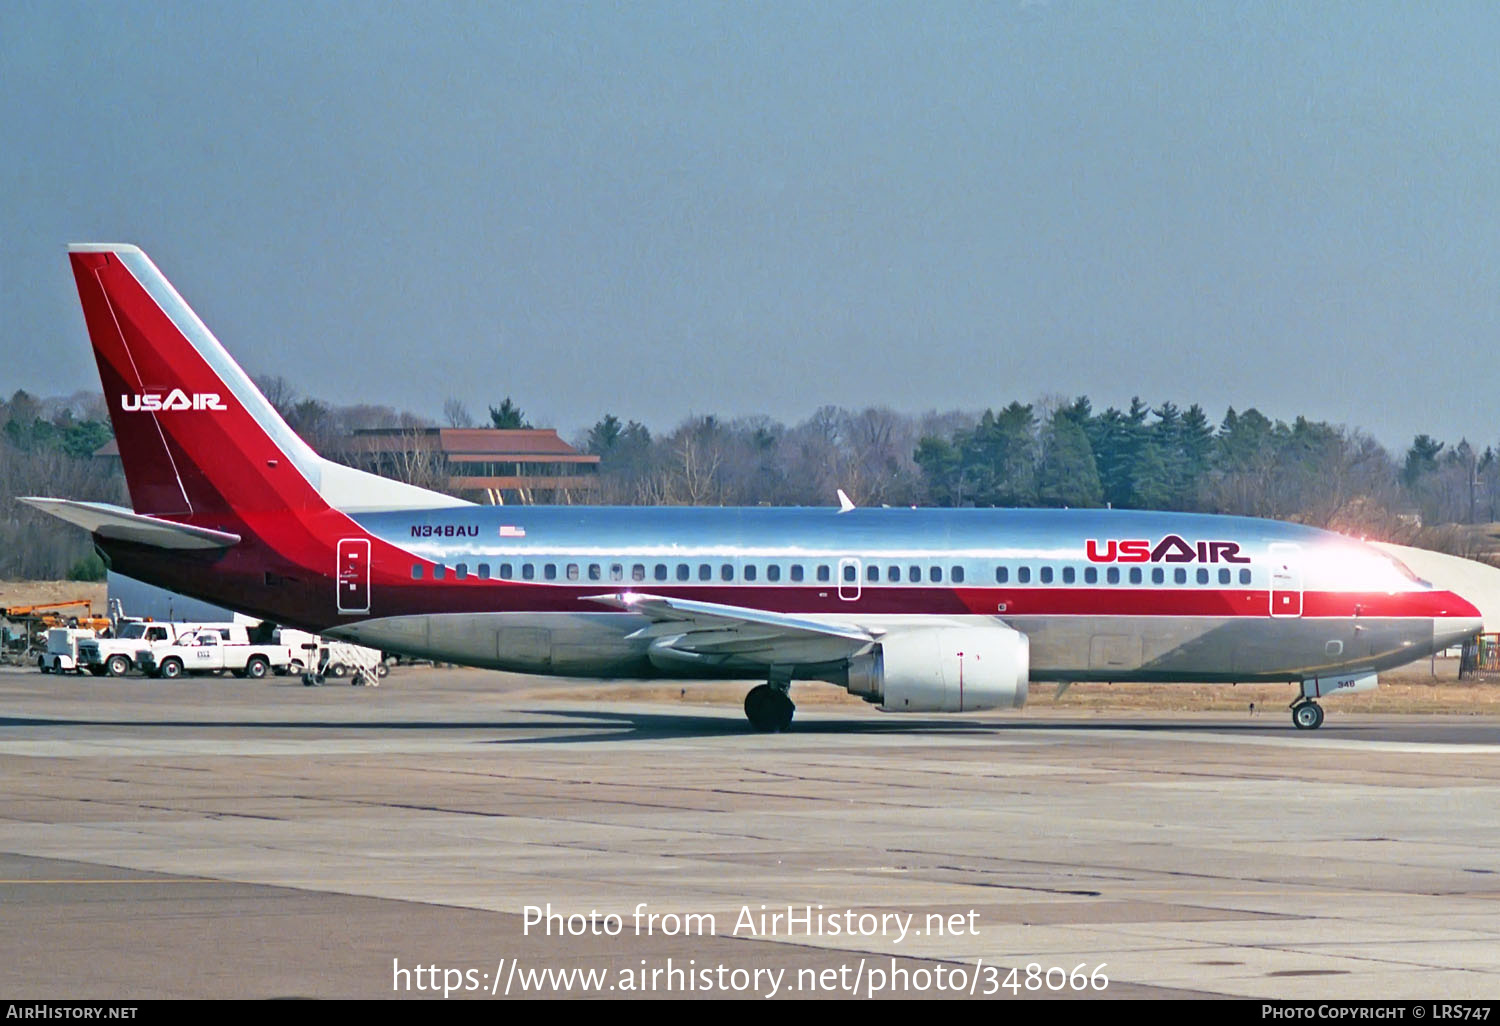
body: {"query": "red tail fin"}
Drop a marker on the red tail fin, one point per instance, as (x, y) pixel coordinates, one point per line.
(196, 436)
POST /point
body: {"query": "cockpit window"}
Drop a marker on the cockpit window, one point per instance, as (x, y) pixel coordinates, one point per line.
(1404, 570)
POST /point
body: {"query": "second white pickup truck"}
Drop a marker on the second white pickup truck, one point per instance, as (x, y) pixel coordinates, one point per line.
(207, 651)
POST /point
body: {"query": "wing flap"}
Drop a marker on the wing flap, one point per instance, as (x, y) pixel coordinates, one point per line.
(716, 629)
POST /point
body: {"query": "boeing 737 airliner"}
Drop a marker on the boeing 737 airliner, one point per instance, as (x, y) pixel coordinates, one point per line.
(916, 610)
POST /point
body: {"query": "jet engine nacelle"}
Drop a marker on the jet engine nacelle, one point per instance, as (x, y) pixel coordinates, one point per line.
(944, 669)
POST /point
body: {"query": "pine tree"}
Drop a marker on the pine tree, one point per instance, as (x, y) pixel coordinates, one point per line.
(1067, 476)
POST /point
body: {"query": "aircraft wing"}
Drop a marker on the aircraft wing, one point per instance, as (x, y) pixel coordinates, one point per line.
(109, 521)
(713, 629)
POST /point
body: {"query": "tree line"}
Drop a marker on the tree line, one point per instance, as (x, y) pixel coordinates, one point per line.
(1060, 453)
(1051, 452)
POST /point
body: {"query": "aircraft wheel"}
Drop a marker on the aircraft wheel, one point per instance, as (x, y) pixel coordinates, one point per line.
(768, 710)
(1307, 715)
(756, 708)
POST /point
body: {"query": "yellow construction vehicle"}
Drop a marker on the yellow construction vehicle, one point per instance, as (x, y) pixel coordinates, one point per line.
(26, 630)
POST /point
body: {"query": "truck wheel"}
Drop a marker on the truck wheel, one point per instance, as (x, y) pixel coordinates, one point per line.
(335, 670)
(257, 667)
(118, 666)
(171, 669)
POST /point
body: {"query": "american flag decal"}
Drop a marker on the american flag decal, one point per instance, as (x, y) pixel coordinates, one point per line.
(511, 531)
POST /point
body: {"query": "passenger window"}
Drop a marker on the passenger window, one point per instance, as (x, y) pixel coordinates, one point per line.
(505, 571)
(595, 571)
(461, 571)
(1179, 576)
(1001, 575)
(484, 571)
(1244, 576)
(773, 572)
(638, 572)
(438, 571)
(1202, 576)
(1090, 575)
(416, 571)
(849, 572)
(1223, 575)
(1046, 575)
(1068, 575)
(958, 575)
(749, 571)
(528, 572)
(661, 571)
(935, 574)
(726, 572)
(683, 572)
(549, 571)
(572, 571)
(1112, 575)
(1158, 575)
(1023, 575)
(872, 573)
(893, 574)
(616, 572)
(705, 572)
(796, 571)
(1135, 575)
(823, 573)
(914, 575)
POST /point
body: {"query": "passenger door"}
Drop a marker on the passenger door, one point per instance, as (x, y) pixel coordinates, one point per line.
(354, 575)
(1286, 579)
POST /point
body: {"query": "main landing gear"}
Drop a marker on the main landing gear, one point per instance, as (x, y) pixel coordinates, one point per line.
(1307, 714)
(769, 706)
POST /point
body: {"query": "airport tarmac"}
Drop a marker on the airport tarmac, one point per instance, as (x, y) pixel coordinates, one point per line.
(225, 838)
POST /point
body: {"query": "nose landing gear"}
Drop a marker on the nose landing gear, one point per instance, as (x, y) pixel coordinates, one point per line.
(1307, 714)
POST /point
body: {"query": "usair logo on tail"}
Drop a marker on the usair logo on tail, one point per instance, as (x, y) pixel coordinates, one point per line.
(176, 399)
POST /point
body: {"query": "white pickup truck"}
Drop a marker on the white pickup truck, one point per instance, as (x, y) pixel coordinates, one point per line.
(115, 656)
(208, 651)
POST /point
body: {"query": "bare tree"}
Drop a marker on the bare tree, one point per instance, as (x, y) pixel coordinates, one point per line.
(457, 414)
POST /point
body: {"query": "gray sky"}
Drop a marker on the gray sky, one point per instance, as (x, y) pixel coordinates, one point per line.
(660, 209)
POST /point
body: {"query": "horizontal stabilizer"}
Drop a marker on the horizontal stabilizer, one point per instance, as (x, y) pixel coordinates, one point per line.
(121, 524)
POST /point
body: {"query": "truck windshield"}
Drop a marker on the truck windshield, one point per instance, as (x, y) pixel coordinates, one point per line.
(133, 630)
